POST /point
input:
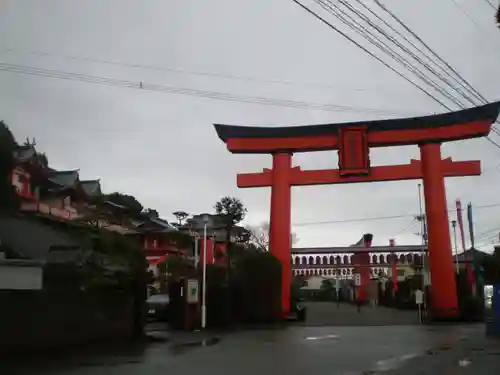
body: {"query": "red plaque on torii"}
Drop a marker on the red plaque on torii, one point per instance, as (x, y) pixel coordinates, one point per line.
(353, 141)
(353, 151)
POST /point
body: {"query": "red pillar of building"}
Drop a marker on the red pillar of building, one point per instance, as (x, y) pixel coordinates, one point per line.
(280, 222)
(210, 250)
(443, 291)
(364, 273)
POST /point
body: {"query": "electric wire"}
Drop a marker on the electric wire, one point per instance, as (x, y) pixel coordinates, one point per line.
(430, 49)
(391, 53)
(376, 41)
(384, 48)
(490, 4)
(312, 85)
(414, 55)
(48, 73)
(328, 7)
(377, 218)
(329, 24)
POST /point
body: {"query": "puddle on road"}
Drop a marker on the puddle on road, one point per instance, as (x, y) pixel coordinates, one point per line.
(184, 347)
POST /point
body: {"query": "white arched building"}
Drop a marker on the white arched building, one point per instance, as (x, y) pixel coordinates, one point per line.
(336, 262)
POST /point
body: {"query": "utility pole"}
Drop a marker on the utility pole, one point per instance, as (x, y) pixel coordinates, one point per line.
(423, 232)
(478, 279)
(455, 246)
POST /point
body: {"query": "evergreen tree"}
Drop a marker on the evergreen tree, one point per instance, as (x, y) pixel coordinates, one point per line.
(8, 198)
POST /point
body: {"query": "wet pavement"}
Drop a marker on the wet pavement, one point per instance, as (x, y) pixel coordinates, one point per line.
(343, 314)
(332, 350)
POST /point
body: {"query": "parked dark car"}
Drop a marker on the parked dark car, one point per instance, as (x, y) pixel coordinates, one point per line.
(158, 306)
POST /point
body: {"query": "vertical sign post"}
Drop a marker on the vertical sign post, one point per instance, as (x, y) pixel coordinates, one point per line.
(419, 300)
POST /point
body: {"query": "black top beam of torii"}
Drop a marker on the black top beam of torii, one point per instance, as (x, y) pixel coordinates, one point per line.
(488, 112)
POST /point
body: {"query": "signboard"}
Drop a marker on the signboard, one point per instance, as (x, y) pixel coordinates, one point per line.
(419, 297)
(192, 291)
(357, 279)
(337, 284)
(353, 151)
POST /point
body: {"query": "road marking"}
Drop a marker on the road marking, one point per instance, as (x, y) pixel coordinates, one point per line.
(392, 363)
(327, 337)
(464, 362)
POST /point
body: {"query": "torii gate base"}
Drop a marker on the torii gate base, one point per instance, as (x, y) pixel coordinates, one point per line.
(353, 140)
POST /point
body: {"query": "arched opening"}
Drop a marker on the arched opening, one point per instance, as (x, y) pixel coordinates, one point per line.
(318, 259)
(297, 260)
(332, 259)
(311, 260)
(345, 260)
(325, 259)
(374, 259)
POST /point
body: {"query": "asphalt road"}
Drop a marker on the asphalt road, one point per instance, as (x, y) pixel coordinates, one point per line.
(298, 350)
(343, 314)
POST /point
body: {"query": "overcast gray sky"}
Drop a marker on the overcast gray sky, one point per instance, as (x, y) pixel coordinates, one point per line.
(162, 148)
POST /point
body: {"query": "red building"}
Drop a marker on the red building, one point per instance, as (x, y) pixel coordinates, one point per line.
(160, 239)
(52, 193)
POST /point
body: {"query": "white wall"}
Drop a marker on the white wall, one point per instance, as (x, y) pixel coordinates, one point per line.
(314, 283)
(16, 277)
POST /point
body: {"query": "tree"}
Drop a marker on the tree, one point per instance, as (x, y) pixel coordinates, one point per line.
(181, 216)
(498, 16)
(231, 211)
(8, 197)
(259, 236)
(132, 205)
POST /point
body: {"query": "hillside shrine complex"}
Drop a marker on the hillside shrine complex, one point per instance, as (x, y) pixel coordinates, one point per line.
(353, 141)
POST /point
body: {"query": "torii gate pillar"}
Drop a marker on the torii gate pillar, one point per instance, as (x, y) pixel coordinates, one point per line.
(280, 221)
(443, 294)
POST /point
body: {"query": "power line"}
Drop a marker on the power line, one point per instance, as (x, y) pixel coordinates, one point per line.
(390, 52)
(384, 47)
(419, 50)
(377, 218)
(401, 46)
(28, 70)
(308, 10)
(490, 4)
(470, 18)
(313, 85)
(428, 48)
(333, 9)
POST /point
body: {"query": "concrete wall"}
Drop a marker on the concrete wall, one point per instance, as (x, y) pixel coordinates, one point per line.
(20, 275)
(31, 321)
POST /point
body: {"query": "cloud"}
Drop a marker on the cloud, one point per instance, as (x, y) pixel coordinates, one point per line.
(162, 147)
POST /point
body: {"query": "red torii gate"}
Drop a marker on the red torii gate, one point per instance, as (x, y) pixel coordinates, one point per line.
(353, 141)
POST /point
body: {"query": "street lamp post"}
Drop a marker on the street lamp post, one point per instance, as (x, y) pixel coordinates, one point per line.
(204, 289)
(454, 225)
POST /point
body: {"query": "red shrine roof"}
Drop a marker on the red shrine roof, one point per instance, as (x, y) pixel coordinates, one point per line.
(477, 121)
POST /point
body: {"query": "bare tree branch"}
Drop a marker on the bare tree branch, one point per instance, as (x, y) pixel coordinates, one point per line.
(259, 236)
